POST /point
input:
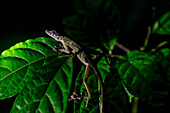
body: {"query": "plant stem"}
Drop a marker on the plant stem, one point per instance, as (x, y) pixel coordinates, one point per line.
(146, 39)
(135, 105)
(122, 47)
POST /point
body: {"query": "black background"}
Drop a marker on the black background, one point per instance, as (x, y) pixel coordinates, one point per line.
(21, 21)
(29, 20)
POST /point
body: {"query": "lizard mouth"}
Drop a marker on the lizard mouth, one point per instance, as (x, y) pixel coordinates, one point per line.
(49, 32)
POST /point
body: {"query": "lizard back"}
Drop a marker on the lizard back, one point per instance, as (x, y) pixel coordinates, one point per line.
(75, 48)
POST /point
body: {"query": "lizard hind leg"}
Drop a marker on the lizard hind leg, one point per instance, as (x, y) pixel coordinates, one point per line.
(87, 71)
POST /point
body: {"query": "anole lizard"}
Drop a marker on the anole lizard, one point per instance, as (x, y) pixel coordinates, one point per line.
(70, 46)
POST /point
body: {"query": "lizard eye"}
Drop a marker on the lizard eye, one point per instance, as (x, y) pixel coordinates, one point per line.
(53, 32)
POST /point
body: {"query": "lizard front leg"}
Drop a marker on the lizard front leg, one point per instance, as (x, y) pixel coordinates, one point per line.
(66, 49)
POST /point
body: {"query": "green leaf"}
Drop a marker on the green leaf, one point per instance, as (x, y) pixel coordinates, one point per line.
(49, 92)
(162, 26)
(115, 97)
(103, 68)
(143, 77)
(163, 57)
(95, 21)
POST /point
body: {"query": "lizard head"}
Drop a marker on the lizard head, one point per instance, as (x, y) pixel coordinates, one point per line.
(53, 34)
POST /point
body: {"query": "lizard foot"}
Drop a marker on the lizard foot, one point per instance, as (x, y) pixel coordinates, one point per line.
(55, 48)
(75, 96)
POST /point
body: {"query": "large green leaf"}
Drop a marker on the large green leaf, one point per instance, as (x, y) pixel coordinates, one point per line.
(95, 21)
(143, 77)
(40, 75)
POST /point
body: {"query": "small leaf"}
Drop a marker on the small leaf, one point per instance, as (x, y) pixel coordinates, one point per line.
(162, 26)
(143, 77)
(103, 68)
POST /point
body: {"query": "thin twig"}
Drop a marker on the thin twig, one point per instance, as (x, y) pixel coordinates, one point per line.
(146, 39)
(159, 45)
(108, 55)
(122, 47)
